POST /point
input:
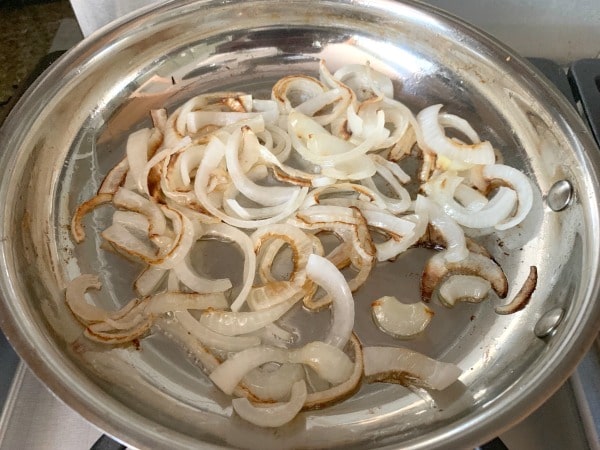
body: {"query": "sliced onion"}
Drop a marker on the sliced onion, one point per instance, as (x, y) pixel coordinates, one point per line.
(452, 233)
(523, 296)
(520, 183)
(197, 120)
(436, 140)
(228, 232)
(442, 188)
(320, 399)
(114, 178)
(273, 384)
(212, 158)
(400, 319)
(329, 362)
(470, 198)
(231, 101)
(149, 280)
(274, 415)
(468, 288)
(75, 298)
(77, 230)
(188, 276)
(407, 367)
(131, 201)
(326, 275)
(474, 264)
(137, 153)
(213, 339)
(364, 81)
(229, 373)
(264, 195)
(236, 323)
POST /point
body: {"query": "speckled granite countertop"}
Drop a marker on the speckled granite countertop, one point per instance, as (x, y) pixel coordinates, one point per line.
(27, 29)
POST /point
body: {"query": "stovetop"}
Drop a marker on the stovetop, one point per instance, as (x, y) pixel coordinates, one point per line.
(32, 418)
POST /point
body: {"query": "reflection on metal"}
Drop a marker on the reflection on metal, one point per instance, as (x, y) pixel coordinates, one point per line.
(560, 195)
(548, 323)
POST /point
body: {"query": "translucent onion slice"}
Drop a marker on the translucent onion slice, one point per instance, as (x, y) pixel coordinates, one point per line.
(268, 109)
(398, 204)
(264, 195)
(317, 145)
(442, 188)
(137, 153)
(400, 319)
(322, 398)
(213, 339)
(300, 244)
(145, 183)
(236, 323)
(341, 191)
(273, 415)
(75, 299)
(212, 158)
(398, 228)
(231, 371)
(326, 275)
(136, 311)
(365, 81)
(438, 267)
(198, 120)
(469, 288)
(131, 201)
(436, 140)
(132, 220)
(231, 101)
(272, 384)
(77, 230)
(470, 197)
(460, 124)
(189, 277)
(227, 232)
(452, 233)
(329, 362)
(149, 280)
(520, 183)
(293, 90)
(409, 368)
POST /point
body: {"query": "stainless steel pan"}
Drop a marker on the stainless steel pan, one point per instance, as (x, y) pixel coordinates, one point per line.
(70, 128)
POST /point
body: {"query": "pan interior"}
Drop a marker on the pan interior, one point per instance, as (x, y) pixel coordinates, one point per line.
(80, 131)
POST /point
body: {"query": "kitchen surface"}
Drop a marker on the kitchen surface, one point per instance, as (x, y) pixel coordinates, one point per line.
(33, 34)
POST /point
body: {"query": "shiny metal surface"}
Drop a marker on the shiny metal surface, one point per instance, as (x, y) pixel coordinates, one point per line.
(549, 322)
(155, 397)
(532, 27)
(560, 195)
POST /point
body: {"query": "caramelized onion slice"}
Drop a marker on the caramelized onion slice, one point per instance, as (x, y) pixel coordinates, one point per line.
(474, 264)
(407, 367)
(272, 415)
(523, 296)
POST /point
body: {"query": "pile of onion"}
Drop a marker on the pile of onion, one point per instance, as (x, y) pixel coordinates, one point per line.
(273, 177)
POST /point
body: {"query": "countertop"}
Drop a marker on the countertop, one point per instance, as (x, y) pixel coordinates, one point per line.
(27, 33)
